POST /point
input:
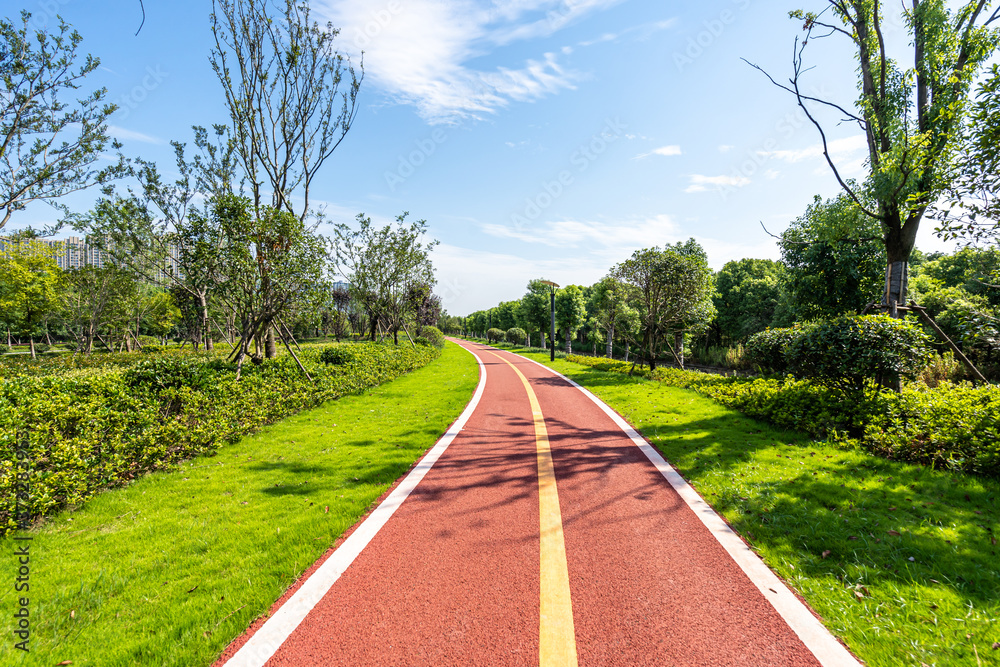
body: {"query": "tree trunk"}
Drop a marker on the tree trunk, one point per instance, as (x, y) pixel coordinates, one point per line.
(270, 347)
(31, 344)
(205, 327)
(899, 241)
(569, 342)
(679, 346)
(627, 350)
(611, 342)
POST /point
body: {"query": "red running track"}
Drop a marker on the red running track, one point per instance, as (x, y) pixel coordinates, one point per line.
(452, 578)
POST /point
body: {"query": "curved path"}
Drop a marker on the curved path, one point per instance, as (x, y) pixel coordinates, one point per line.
(541, 530)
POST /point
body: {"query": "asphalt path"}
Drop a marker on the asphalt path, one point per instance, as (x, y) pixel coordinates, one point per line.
(543, 531)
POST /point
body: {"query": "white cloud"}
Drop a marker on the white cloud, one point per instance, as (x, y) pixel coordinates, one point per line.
(663, 150)
(418, 51)
(771, 174)
(700, 183)
(725, 148)
(839, 148)
(603, 235)
(643, 32)
(130, 135)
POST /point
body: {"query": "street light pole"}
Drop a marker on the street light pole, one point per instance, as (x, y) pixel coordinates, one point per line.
(552, 311)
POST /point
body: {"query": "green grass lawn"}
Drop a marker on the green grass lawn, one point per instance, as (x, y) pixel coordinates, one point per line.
(899, 560)
(170, 569)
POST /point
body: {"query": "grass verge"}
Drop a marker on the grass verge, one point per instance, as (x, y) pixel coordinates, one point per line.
(170, 569)
(899, 560)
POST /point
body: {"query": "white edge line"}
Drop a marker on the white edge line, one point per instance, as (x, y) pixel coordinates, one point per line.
(816, 637)
(270, 636)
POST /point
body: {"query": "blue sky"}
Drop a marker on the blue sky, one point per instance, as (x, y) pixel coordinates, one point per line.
(538, 138)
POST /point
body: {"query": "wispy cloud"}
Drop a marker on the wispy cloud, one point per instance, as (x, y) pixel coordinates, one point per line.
(700, 183)
(602, 234)
(640, 32)
(838, 148)
(667, 151)
(131, 135)
(419, 51)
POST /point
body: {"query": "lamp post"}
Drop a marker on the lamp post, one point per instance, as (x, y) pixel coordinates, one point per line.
(552, 310)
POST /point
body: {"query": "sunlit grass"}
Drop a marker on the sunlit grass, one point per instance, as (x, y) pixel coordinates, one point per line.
(899, 560)
(170, 569)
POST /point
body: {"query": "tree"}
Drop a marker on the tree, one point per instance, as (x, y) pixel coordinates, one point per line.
(340, 297)
(535, 310)
(267, 263)
(613, 314)
(571, 312)
(382, 264)
(281, 77)
(95, 299)
(834, 259)
(48, 147)
(30, 285)
(672, 292)
(911, 118)
(424, 305)
(748, 292)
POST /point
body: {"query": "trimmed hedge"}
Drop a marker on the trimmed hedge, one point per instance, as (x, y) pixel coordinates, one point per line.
(84, 432)
(516, 336)
(854, 354)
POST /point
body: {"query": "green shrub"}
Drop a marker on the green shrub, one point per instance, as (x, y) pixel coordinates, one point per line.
(148, 340)
(942, 368)
(516, 336)
(337, 355)
(954, 427)
(765, 351)
(494, 335)
(433, 336)
(152, 349)
(854, 354)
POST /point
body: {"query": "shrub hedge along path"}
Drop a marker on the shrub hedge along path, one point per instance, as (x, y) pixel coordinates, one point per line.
(544, 535)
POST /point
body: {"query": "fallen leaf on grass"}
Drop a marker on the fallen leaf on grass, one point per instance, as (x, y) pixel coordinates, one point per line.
(72, 614)
(194, 589)
(996, 646)
(893, 532)
(826, 553)
(935, 581)
(853, 537)
(64, 662)
(326, 509)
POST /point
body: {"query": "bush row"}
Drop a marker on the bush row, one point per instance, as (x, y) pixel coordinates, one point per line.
(950, 426)
(99, 430)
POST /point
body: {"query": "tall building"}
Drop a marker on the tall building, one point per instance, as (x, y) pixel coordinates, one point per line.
(73, 253)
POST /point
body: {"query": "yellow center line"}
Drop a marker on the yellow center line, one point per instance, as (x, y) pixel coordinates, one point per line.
(556, 635)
